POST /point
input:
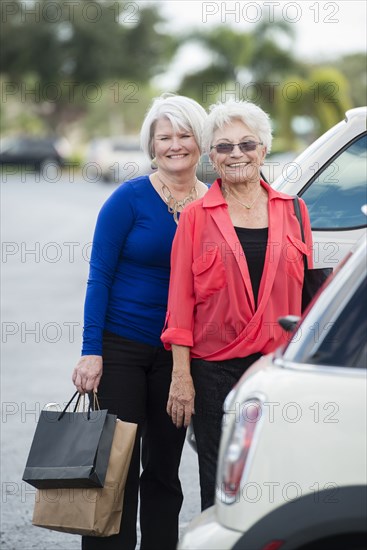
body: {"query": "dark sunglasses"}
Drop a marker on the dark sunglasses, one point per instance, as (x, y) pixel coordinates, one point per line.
(244, 146)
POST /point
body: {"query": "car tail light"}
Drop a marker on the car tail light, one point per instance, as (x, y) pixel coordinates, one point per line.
(238, 448)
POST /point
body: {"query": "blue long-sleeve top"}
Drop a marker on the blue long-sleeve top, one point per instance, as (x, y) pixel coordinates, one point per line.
(128, 281)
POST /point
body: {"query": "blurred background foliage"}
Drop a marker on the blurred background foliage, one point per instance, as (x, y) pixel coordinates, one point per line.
(86, 69)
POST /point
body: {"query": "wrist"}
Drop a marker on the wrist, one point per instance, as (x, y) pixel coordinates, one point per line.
(181, 370)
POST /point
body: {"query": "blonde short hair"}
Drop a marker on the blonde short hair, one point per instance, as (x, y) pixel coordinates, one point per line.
(221, 114)
(183, 113)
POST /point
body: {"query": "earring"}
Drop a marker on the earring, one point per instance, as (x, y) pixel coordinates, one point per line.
(154, 164)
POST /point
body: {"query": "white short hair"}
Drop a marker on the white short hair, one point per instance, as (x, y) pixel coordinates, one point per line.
(221, 114)
(183, 113)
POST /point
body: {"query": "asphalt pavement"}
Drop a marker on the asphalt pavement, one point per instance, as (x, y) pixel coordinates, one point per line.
(46, 230)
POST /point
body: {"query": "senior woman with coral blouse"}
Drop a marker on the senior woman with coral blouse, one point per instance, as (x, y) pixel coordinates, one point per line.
(237, 266)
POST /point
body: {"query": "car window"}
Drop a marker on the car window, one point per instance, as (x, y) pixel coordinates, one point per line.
(126, 147)
(17, 147)
(345, 342)
(40, 148)
(335, 196)
(31, 147)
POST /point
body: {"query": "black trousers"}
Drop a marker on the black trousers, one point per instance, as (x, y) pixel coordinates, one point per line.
(135, 386)
(213, 380)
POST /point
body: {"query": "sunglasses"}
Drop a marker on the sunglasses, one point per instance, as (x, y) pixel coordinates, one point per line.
(244, 146)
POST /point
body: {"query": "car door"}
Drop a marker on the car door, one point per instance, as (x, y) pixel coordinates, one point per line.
(335, 197)
(330, 175)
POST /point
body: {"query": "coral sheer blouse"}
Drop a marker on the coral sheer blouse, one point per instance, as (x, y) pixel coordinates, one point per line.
(211, 306)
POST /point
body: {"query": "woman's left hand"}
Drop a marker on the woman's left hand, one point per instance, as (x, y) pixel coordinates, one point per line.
(181, 398)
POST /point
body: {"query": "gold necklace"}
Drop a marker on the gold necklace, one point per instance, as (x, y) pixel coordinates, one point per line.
(248, 206)
(174, 205)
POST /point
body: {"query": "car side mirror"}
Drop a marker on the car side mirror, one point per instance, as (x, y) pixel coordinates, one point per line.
(289, 322)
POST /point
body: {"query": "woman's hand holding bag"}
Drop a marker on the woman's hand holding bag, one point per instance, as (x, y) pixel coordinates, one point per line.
(88, 373)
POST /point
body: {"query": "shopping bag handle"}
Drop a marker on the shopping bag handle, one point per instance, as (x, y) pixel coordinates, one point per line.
(93, 404)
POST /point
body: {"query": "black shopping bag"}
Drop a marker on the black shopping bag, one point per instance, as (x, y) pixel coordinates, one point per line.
(70, 449)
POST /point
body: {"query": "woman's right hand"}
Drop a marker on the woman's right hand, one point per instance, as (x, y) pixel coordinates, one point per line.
(181, 398)
(87, 373)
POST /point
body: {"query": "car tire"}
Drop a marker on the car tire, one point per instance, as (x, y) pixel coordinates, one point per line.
(341, 542)
(107, 177)
(50, 169)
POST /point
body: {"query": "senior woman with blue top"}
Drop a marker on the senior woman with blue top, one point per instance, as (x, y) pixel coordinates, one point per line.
(125, 307)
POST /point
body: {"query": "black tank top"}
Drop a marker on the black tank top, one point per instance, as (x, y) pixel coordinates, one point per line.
(254, 242)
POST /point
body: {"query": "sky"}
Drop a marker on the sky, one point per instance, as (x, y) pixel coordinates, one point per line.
(324, 30)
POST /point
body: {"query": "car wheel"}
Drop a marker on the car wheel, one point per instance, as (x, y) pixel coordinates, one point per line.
(341, 542)
(107, 177)
(50, 169)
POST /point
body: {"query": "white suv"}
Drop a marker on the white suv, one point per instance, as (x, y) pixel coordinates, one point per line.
(292, 464)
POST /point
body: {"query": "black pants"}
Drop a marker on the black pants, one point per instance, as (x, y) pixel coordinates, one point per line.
(135, 386)
(213, 380)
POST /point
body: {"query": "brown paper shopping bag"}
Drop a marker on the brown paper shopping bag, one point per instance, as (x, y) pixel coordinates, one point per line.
(90, 511)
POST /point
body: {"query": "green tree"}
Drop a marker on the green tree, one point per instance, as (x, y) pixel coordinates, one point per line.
(87, 41)
(251, 64)
(272, 56)
(260, 66)
(56, 55)
(322, 97)
(354, 68)
(230, 51)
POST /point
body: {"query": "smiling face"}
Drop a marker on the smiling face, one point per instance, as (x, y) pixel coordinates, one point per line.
(237, 166)
(174, 151)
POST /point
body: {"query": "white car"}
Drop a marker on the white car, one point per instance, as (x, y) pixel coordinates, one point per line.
(116, 159)
(331, 177)
(292, 467)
